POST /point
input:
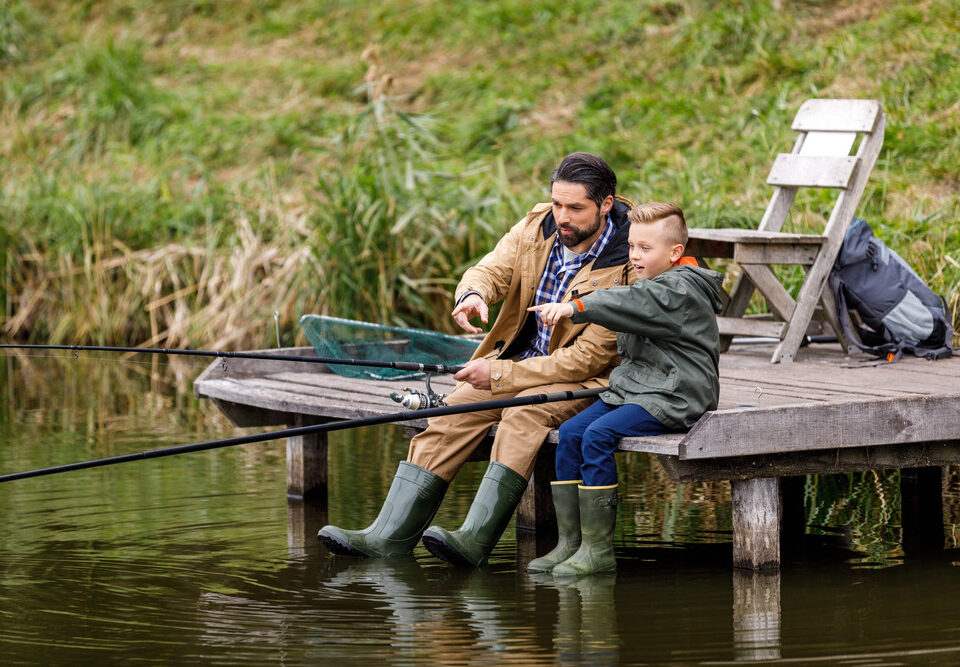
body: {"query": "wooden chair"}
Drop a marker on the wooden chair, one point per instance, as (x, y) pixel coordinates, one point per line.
(820, 158)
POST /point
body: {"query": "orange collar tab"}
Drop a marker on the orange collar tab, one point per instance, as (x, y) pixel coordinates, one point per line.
(686, 261)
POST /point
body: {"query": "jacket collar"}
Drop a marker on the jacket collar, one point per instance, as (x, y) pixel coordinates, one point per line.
(616, 251)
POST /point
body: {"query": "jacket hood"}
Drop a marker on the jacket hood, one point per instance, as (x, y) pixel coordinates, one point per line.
(616, 251)
(710, 282)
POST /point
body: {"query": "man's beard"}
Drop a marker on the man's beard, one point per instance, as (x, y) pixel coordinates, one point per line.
(579, 235)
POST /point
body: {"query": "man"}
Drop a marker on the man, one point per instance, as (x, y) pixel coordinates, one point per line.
(561, 250)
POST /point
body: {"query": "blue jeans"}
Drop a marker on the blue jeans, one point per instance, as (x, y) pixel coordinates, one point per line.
(588, 441)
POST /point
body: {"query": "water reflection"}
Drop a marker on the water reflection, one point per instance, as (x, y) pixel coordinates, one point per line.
(586, 630)
(756, 615)
(304, 519)
(202, 558)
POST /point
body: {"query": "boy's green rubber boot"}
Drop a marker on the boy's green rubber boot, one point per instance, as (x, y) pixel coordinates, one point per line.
(566, 502)
(598, 518)
(412, 501)
(498, 496)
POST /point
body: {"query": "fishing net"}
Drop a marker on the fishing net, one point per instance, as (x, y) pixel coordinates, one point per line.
(350, 339)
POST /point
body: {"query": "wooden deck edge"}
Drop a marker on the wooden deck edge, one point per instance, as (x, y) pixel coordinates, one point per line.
(786, 429)
(820, 462)
(218, 389)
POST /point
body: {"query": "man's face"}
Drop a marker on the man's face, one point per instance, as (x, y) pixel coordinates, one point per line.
(650, 252)
(579, 220)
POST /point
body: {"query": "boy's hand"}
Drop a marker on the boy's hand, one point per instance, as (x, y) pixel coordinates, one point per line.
(551, 313)
(470, 307)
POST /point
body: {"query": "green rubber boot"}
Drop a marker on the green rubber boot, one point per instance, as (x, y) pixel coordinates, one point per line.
(567, 505)
(498, 496)
(412, 501)
(598, 518)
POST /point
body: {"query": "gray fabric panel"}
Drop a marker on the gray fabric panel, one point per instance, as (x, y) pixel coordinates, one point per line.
(910, 320)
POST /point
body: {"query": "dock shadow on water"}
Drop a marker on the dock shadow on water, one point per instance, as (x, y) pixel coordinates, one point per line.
(201, 558)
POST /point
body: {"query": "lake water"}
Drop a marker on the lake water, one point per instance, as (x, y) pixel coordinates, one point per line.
(201, 558)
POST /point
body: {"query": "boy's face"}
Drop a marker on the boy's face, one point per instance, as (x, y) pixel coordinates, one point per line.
(650, 252)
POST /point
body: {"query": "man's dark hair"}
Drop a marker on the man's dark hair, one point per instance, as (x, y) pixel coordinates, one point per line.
(589, 171)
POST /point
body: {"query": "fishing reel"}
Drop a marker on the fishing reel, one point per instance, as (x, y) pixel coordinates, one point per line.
(414, 399)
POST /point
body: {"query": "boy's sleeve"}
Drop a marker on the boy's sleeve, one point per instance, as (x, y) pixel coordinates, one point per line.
(647, 308)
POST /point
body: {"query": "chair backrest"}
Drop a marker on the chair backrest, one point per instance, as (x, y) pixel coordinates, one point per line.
(821, 157)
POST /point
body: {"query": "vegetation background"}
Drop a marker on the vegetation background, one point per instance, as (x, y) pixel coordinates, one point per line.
(175, 172)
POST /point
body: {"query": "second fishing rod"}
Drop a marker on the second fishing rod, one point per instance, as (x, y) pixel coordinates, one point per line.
(496, 404)
(397, 365)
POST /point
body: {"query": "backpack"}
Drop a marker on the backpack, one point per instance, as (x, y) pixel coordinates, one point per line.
(902, 313)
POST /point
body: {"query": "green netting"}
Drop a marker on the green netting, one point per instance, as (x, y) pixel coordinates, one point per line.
(350, 339)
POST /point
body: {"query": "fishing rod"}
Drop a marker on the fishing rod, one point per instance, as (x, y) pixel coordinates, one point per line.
(398, 365)
(306, 430)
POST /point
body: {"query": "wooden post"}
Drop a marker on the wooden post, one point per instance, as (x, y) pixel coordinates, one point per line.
(756, 615)
(756, 523)
(535, 511)
(307, 462)
(921, 510)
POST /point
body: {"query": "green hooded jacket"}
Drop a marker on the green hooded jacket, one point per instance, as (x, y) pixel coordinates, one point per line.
(667, 340)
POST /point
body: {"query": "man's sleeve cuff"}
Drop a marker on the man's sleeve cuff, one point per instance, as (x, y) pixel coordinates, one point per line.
(466, 294)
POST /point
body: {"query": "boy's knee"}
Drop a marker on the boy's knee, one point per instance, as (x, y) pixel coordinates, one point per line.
(599, 438)
(569, 435)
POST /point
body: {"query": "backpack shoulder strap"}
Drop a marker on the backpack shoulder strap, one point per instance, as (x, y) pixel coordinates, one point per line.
(890, 351)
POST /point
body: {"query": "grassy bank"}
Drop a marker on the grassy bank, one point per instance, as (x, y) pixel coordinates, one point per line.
(175, 172)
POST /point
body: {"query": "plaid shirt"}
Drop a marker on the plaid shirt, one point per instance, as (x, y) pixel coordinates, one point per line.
(555, 280)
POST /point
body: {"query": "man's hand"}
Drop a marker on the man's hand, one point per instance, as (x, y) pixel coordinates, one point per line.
(476, 373)
(551, 313)
(469, 308)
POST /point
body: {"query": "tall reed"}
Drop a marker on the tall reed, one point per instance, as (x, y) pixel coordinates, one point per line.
(396, 223)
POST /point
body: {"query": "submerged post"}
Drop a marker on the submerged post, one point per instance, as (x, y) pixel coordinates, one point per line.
(757, 512)
(307, 462)
(921, 510)
(535, 511)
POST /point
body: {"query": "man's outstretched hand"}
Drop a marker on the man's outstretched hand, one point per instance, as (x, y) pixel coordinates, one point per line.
(466, 310)
(476, 373)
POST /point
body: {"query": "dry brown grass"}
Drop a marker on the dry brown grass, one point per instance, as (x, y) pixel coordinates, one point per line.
(172, 296)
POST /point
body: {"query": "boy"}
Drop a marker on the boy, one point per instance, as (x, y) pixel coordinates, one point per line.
(667, 378)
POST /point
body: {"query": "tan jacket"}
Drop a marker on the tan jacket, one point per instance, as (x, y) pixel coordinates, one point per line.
(511, 271)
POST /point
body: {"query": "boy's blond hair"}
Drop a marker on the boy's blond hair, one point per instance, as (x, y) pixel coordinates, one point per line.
(674, 224)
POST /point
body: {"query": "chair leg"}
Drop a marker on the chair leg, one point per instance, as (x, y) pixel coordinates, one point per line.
(809, 296)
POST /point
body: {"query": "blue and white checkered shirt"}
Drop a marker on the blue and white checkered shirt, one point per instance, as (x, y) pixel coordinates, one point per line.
(556, 277)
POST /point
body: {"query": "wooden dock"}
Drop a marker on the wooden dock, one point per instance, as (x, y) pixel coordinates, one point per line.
(826, 413)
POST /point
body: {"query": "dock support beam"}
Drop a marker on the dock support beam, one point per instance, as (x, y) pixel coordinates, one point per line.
(535, 511)
(757, 511)
(921, 510)
(307, 462)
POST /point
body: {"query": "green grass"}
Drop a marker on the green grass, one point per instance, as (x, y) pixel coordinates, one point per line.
(258, 130)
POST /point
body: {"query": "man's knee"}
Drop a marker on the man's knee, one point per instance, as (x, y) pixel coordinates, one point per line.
(526, 414)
